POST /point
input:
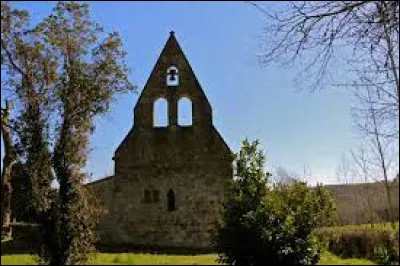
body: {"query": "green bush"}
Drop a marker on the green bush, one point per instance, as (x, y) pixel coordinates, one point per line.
(263, 224)
(379, 245)
(382, 256)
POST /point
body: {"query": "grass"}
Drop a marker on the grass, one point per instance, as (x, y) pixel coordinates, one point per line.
(328, 258)
(19, 259)
(15, 253)
(149, 259)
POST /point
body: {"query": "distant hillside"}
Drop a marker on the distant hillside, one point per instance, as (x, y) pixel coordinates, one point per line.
(353, 204)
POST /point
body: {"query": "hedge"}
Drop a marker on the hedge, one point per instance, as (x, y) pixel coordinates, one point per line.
(362, 243)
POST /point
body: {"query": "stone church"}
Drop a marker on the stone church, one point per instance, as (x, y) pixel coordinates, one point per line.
(169, 179)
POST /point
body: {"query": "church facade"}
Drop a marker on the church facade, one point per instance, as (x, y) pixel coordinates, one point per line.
(169, 179)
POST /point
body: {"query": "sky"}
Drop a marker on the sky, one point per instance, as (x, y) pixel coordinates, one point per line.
(298, 129)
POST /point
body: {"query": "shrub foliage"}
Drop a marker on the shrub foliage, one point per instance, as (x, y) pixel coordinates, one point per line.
(263, 223)
(379, 244)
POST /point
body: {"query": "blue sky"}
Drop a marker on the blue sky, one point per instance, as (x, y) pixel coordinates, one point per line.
(220, 39)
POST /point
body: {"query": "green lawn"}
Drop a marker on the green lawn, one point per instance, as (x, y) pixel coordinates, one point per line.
(328, 258)
(141, 258)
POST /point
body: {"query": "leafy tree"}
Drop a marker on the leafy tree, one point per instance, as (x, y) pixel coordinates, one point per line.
(232, 237)
(261, 223)
(62, 73)
(30, 72)
(91, 69)
(12, 23)
(35, 154)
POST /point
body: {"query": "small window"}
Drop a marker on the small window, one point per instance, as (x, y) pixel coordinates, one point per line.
(160, 113)
(172, 76)
(147, 196)
(156, 195)
(171, 200)
(185, 112)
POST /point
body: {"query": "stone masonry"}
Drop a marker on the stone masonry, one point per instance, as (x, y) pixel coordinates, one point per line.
(169, 181)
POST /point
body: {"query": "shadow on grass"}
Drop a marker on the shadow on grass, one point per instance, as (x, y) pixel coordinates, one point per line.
(12, 247)
(103, 248)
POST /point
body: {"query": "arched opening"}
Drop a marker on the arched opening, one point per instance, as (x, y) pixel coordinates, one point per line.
(160, 113)
(185, 112)
(172, 76)
(171, 200)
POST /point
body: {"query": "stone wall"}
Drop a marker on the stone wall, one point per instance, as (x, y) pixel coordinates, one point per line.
(364, 203)
(132, 220)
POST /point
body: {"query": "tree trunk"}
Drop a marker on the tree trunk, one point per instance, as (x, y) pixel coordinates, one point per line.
(66, 194)
(8, 162)
(6, 202)
(382, 161)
